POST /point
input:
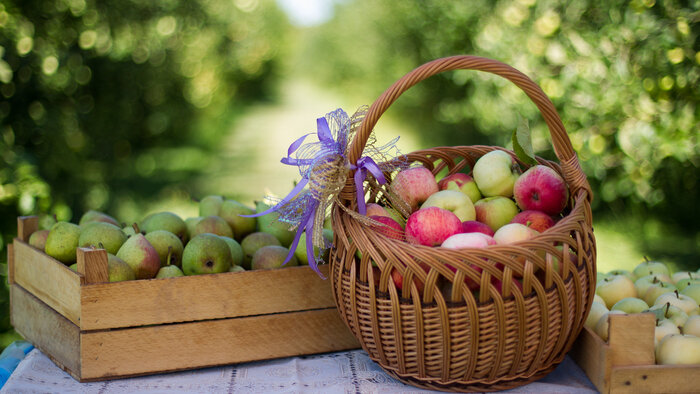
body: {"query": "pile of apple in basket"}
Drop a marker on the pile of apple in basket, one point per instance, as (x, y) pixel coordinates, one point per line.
(496, 204)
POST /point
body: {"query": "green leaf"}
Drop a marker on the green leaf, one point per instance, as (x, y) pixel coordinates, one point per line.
(522, 142)
(659, 312)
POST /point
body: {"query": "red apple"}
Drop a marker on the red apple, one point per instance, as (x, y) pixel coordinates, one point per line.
(540, 188)
(473, 226)
(431, 226)
(536, 220)
(462, 183)
(468, 240)
(495, 211)
(390, 228)
(414, 185)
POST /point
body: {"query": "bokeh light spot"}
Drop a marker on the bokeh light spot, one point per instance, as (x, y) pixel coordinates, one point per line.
(87, 39)
(166, 26)
(25, 45)
(675, 55)
(548, 23)
(49, 65)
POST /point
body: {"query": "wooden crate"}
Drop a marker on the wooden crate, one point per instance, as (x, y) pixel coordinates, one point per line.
(96, 330)
(626, 363)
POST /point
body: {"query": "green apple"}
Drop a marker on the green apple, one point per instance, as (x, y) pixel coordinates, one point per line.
(495, 174)
(683, 283)
(682, 301)
(495, 211)
(649, 268)
(657, 289)
(614, 288)
(664, 327)
(692, 291)
(692, 326)
(678, 349)
(670, 312)
(597, 311)
(597, 298)
(681, 275)
(456, 202)
(642, 284)
(630, 305)
(623, 272)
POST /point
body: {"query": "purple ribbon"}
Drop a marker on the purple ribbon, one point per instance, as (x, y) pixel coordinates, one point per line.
(363, 165)
(300, 200)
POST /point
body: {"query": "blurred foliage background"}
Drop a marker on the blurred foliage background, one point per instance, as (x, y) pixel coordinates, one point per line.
(125, 106)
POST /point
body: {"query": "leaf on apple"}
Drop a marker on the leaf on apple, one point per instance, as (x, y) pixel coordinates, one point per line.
(659, 313)
(522, 142)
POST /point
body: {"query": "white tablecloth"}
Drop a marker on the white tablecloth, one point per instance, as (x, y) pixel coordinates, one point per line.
(342, 372)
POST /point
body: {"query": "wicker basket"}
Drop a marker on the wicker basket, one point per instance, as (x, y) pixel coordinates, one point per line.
(454, 340)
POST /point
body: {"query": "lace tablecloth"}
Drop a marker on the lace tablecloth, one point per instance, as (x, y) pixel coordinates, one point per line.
(342, 372)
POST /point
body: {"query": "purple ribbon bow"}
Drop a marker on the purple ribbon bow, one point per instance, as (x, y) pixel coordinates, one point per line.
(301, 206)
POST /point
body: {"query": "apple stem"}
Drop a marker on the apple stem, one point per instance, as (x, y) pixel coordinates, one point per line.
(136, 227)
(676, 291)
(170, 252)
(668, 306)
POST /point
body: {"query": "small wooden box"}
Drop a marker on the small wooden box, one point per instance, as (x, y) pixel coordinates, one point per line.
(626, 363)
(96, 330)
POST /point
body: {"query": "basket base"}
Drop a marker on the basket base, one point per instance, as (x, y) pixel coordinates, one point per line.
(475, 387)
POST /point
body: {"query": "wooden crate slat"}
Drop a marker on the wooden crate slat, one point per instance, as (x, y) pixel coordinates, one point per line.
(10, 264)
(48, 279)
(655, 378)
(172, 347)
(26, 225)
(626, 363)
(631, 339)
(46, 329)
(203, 297)
(592, 355)
(92, 264)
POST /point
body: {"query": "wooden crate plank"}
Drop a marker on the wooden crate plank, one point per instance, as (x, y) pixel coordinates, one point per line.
(10, 264)
(26, 225)
(92, 263)
(48, 279)
(143, 350)
(593, 356)
(203, 297)
(655, 378)
(47, 330)
(631, 339)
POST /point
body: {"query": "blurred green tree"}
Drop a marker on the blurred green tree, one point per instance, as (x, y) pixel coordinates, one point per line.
(106, 104)
(623, 75)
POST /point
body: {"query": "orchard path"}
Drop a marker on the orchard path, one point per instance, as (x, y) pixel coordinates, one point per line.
(250, 157)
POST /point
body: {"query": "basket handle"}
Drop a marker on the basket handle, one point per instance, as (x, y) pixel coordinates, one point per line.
(571, 169)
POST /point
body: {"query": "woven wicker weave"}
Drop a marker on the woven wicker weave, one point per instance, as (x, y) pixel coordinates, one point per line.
(453, 340)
